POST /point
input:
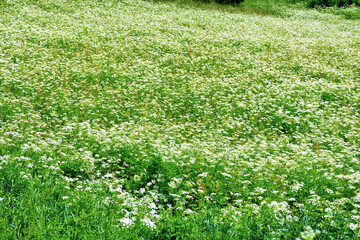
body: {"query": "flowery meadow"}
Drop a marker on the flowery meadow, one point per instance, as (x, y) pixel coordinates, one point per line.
(171, 120)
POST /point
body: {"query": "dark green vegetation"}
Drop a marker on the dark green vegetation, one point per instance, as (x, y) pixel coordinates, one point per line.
(308, 3)
(165, 120)
(229, 1)
(332, 3)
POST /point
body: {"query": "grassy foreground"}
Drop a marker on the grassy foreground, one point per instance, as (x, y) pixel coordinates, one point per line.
(136, 119)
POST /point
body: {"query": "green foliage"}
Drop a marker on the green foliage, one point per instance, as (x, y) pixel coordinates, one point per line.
(332, 3)
(328, 3)
(350, 12)
(229, 1)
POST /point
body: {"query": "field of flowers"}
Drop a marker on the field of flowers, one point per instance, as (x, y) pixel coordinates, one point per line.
(138, 119)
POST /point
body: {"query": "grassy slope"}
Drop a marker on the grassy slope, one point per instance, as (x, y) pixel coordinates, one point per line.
(117, 117)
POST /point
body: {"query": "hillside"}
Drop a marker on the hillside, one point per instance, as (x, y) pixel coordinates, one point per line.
(139, 119)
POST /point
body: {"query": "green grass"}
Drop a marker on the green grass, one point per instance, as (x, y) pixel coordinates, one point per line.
(169, 120)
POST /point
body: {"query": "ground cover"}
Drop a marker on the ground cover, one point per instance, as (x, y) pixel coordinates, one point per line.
(140, 119)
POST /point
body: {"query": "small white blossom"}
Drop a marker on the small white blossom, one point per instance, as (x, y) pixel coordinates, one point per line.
(226, 175)
(203, 175)
(353, 226)
(127, 222)
(147, 221)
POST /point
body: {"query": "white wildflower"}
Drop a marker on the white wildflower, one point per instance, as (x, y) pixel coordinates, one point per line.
(108, 175)
(308, 234)
(172, 184)
(127, 222)
(203, 175)
(353, 226)
(226, 175)
(188, 211)
(329, 191)
(147, 221)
